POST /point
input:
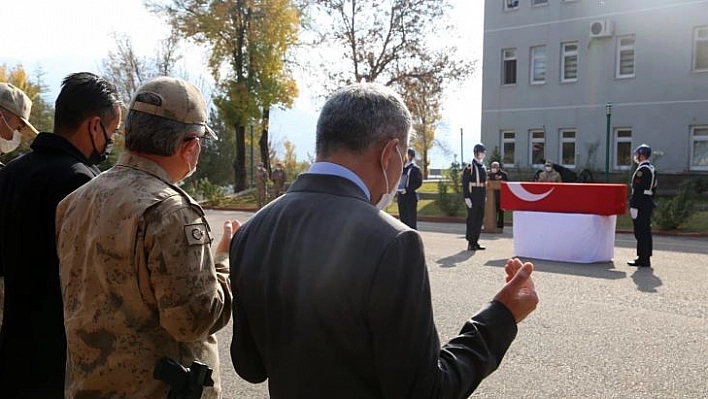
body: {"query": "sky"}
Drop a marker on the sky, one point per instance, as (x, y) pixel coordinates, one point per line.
(76, 35)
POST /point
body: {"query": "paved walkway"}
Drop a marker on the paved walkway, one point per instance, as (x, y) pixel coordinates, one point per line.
(602, 330)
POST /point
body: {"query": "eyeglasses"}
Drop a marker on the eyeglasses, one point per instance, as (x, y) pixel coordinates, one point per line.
(203, 136)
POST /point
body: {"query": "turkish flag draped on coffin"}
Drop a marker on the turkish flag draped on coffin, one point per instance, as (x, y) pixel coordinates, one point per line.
(585, 198)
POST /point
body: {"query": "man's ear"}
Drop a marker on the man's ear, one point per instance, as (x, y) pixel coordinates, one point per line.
(389, 151)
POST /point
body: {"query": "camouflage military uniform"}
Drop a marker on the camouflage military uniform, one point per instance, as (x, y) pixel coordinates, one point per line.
(278, 182)
(138, 282)
(261, 185)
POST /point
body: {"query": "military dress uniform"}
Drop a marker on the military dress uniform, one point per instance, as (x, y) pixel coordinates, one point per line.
(138, 281)
(643, 190)
(407, 197)
(474, 182)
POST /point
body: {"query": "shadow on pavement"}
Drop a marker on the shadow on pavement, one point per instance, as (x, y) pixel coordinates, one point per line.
(453, 260)
(603, 270)
(645, 279)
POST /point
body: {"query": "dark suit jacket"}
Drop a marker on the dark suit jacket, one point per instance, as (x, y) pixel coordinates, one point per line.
(32, 338)
(332, 300)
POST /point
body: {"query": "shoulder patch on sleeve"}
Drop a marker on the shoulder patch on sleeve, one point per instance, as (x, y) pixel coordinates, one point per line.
(639, 173)
(197, 234)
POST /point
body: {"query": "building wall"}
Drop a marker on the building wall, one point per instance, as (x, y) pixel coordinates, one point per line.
(660, 104)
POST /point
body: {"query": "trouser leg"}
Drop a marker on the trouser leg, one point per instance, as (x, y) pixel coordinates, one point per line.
(642, 232)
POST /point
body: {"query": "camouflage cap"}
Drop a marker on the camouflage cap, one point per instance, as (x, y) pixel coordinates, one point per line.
(179, 101)
(17, 102)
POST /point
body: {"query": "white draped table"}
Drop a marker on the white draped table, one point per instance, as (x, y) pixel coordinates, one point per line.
(564, 237)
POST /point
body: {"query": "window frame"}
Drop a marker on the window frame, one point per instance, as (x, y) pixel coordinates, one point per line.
(505, 140)
(533, 62)
(532, 142)
(511, 8)
(563, 140)
(693, 139)
(616, 140)
(694, 52)
(622, 48)
(565, 54)
(516, 66)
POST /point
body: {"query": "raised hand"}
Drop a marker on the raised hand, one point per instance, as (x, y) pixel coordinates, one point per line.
(518, 294)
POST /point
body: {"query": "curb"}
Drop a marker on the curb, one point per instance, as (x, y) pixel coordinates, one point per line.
(451, 219)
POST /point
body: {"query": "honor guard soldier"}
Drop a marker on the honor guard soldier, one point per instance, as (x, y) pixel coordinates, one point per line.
(474, 181)
(641, 205)
(411, 180)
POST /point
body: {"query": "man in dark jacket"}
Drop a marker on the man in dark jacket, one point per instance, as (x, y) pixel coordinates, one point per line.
(32, 340)
(333, 293)
(496, 173)
(411, 180)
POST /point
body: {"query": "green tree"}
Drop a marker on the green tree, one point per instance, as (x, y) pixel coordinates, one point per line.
(247, 41)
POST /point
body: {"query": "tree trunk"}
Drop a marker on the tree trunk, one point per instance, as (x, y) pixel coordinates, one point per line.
(263, 142)
(240, 161)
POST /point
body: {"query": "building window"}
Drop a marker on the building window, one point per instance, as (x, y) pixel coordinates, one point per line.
(623, 148)
(700, 49)
(511, 5)
(699, 147)
(538, 64)
(509, 66)
(625, 57)
(538, 147)
(539, 2)
(567, 155)
(569, 62)
(508, 147)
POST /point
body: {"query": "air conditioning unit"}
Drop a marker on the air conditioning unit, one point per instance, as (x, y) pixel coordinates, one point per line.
(601, 28)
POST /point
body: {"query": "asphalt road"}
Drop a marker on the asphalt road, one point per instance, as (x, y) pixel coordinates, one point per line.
(603, 330)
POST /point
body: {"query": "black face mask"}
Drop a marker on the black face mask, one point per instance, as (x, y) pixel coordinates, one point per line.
(96, 156)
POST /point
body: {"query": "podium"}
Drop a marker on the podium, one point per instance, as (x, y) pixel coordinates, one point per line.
(568, 222)
(490, 209)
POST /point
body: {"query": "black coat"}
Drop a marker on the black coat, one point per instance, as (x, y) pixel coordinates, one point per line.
(32, 339)
(332, 300)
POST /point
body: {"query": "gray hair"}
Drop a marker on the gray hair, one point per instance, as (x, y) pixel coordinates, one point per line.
(156, 135)
(358, 116)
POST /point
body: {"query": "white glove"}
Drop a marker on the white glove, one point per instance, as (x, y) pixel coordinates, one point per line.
(633, 213)
(468, 202)
(402, 191)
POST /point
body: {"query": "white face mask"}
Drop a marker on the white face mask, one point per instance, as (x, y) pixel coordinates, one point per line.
(495, 170)
(387, 198)
(548, 168)
(7, 146)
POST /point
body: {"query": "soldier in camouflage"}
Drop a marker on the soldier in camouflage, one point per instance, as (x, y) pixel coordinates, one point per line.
(278, 180)
(261, 185)
(138, 278)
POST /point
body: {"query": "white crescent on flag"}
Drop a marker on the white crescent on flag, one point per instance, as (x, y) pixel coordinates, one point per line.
(519, 191)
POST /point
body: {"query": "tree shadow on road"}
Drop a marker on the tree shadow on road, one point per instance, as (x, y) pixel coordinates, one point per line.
(604, 270)
(645, 279)
(454, 260)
